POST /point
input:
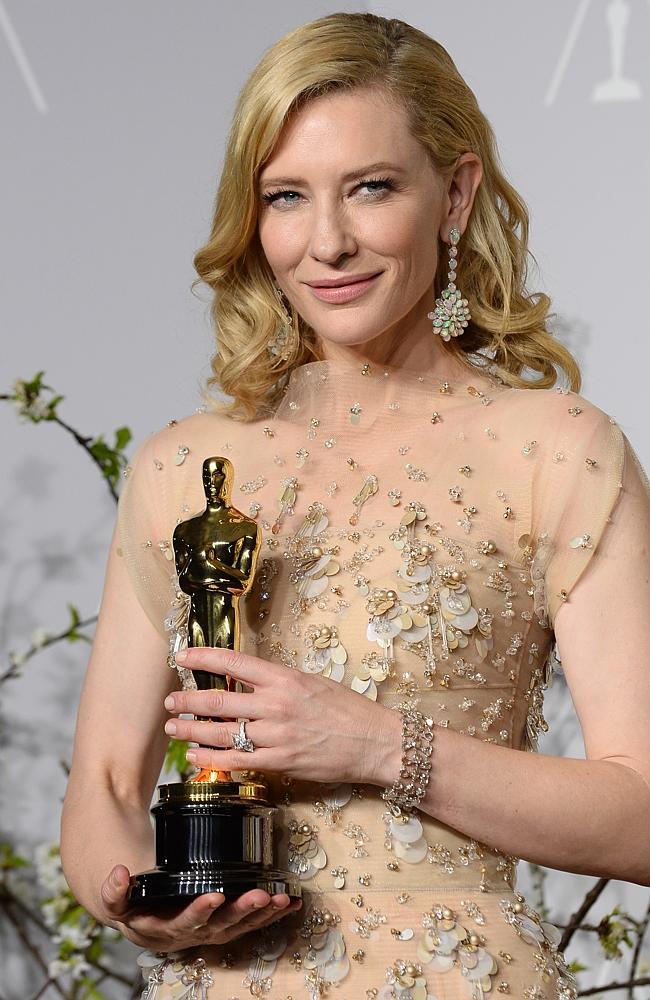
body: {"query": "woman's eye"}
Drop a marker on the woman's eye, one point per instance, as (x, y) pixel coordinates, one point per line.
(376, 187)
(271, 196)
(384, 184)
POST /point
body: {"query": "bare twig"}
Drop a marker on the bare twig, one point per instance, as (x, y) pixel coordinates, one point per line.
(9, 899)
(641, 929)
(582, 911)
(39, 993)
(85, 443)
(107, 973)
(31, 948)
(12, 671)
(593, 990)
(22, 908)
(580, 927)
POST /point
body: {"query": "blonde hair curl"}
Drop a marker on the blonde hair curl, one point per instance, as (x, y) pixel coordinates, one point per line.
(507, 331)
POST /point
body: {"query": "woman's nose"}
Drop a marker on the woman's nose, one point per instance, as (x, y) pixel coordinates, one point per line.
(331, 235)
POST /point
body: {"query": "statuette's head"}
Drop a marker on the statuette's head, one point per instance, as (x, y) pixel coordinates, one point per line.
(217, 479)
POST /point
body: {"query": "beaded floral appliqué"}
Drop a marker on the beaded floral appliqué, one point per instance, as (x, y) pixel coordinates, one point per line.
(405, 838)
(430, 608)
(326, 654)
(187, 981)
(260, 971)
(325, 961)
(313, 562)
(305, 855)
(404, 981)
(447, 943)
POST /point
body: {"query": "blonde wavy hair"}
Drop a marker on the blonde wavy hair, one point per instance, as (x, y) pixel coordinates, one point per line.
(507, 331)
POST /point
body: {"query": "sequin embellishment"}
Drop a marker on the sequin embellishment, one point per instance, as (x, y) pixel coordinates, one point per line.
(447, 943)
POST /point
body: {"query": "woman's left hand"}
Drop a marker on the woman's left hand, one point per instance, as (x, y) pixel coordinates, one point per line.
(302, 725)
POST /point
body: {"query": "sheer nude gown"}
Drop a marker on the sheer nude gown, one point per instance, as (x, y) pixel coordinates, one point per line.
(511, 491)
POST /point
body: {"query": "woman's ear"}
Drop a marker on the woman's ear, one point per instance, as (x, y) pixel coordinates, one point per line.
(462, 186)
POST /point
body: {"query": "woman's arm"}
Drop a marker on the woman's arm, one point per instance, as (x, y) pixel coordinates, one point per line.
(119, 744)
(587, 816)
(119, 748)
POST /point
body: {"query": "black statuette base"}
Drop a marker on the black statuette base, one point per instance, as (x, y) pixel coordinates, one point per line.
(204, 843)
(158, 888)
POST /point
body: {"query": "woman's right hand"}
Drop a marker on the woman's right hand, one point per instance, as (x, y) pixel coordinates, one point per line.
(209, 919)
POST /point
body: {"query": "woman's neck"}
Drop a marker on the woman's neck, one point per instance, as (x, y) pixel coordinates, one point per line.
(419, 349)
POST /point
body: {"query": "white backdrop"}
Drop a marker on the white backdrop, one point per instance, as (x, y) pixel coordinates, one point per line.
(114, 118)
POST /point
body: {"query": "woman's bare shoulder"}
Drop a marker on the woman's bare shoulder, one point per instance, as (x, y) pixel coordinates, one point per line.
(547, 408)
(196, 430)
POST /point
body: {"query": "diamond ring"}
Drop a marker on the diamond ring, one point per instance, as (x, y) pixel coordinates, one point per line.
(240, 740)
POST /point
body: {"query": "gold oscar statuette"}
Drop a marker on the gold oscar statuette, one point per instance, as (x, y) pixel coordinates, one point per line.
(213, 832)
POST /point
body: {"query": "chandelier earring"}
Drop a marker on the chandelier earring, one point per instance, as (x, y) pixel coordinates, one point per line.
(450, 315)
(280, 344)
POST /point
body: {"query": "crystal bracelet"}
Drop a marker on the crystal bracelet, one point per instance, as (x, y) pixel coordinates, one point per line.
(405, 793)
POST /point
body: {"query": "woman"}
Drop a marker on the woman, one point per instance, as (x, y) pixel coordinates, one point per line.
(432, 522)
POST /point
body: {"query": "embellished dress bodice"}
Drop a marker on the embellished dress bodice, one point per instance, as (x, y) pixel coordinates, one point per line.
(419, 537)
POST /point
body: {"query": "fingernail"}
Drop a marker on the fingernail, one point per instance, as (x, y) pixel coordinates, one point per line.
(190, 755)
(170, 728)
(181, 656)
(169, 703)
(116, 879)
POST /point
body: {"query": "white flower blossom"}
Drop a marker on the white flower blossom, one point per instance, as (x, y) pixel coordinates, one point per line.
(74, 935)
(39, 637)
(48, 869)
(58, 967)
(53, 909)
(79, 966)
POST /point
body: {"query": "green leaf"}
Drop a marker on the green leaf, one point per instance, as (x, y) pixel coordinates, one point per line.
(9, 859)
(31, 399)
(122, 437)
(73, 915)
(51, 413)
(111, 459)
(614, 933)
(66, 950)
(90, 991)
(74, 636)
(34, 387)
(99, 449)
(576, 966)
(175, 756)
(94, 950)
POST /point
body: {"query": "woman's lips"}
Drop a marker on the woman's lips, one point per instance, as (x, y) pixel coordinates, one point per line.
(343, 293)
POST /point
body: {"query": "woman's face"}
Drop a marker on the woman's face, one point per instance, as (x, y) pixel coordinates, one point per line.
(349, 192)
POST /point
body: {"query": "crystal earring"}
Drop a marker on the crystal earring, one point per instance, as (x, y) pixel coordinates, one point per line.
(279, 346)
(451, 315)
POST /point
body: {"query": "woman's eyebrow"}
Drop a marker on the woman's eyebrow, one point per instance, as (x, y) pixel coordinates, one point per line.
(358, 172)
